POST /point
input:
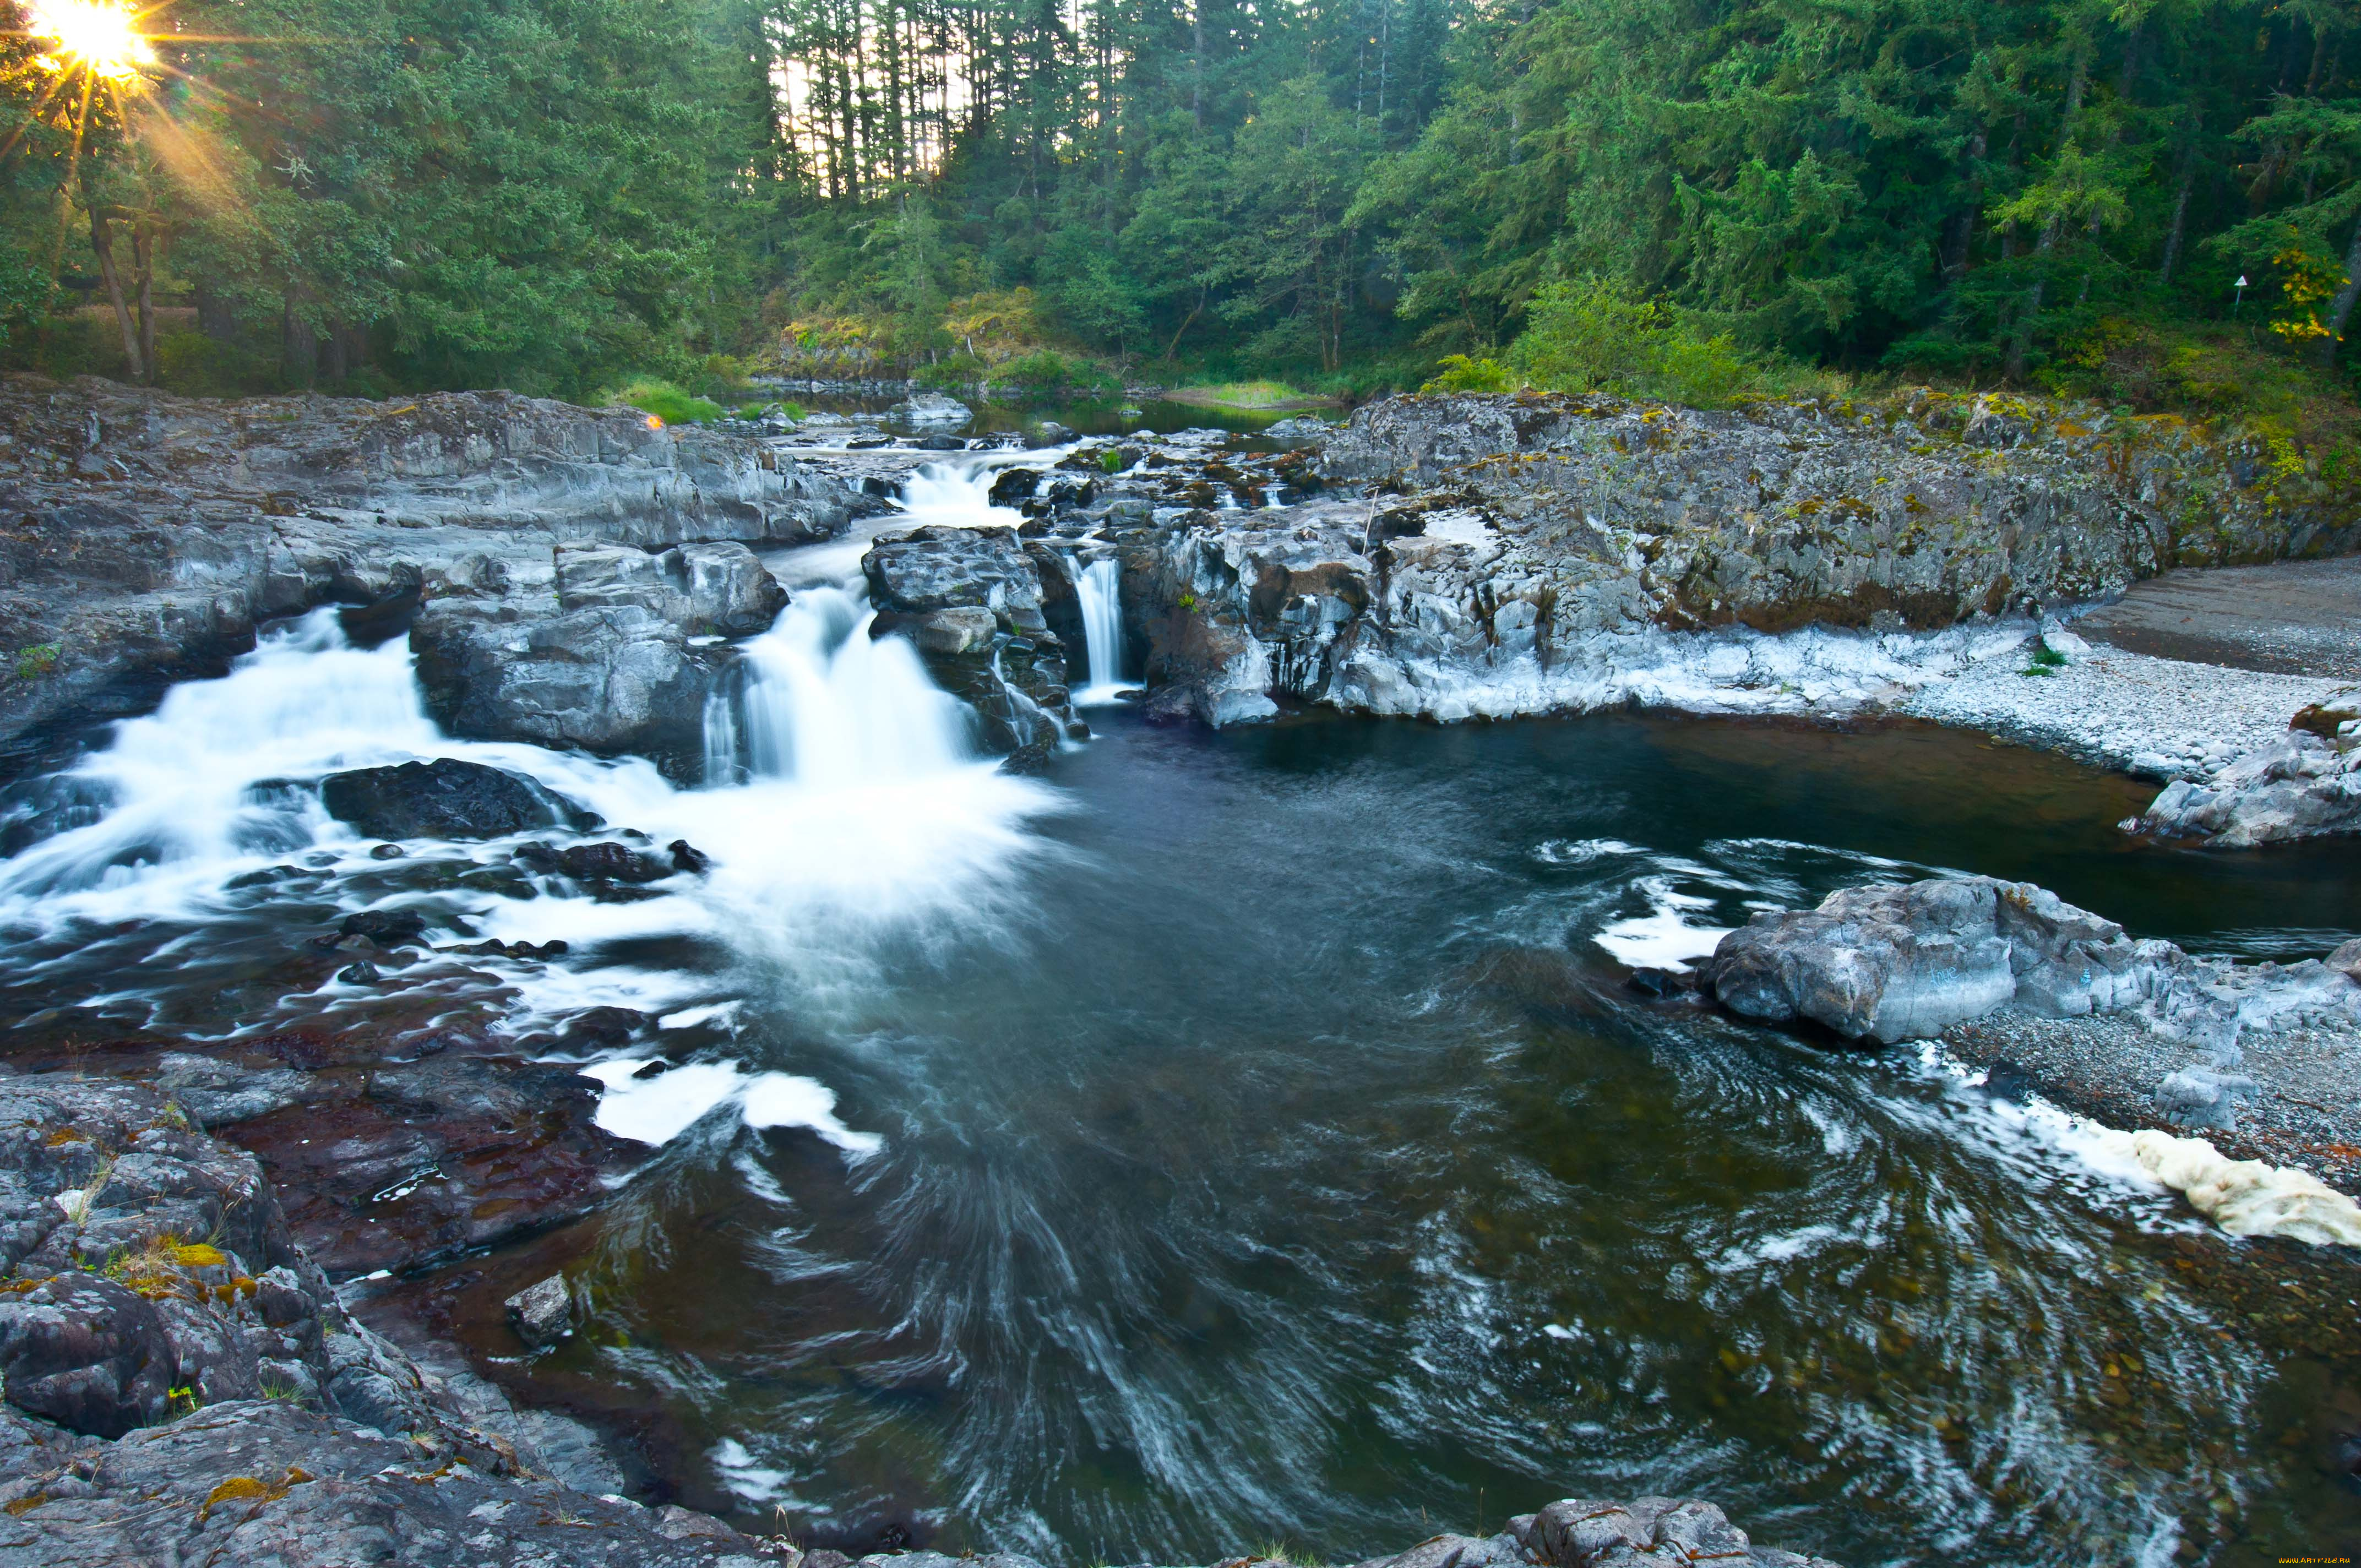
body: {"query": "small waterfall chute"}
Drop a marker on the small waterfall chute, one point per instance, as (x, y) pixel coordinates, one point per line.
(1100, 591)
(820, 702)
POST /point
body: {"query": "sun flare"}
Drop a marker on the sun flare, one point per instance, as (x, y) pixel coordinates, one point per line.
(99, 36)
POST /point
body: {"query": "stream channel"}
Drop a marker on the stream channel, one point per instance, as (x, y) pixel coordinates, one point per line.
(1223, 1141)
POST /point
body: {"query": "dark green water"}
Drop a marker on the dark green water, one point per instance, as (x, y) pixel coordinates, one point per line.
(1282, 1162)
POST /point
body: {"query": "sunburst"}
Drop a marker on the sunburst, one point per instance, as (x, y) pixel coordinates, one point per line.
(101, 37)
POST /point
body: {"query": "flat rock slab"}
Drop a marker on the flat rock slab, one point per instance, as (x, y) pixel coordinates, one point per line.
(2295, 618)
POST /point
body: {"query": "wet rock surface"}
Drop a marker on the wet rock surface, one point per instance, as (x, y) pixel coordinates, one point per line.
(2264, 1059)
(445, 798)
(182, 1384)
(171, 1400)
(150, 535)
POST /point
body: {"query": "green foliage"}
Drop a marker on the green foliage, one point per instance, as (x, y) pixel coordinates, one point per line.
(1597, 335)
(1046, 371)
(1262, 394)
(665, 399)
(1458, 373)
(1706, 200)
(35, 662)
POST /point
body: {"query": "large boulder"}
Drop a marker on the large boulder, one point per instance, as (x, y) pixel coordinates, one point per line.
(2297, 787)
(445, 798)
(1890, 962)
(609, 678)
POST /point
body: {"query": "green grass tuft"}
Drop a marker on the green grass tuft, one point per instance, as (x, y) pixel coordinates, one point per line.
(666, 400)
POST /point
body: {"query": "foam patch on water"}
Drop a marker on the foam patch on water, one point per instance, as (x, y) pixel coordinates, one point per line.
(2245, 1197)
(744, 1475)
(1664, 937)
(1581, 851)
(656, 1107)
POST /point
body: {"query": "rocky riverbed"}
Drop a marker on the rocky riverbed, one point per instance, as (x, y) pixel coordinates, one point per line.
(586, 584)
(182, 1384)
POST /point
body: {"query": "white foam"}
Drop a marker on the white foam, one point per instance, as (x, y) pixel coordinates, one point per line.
(657, 1107)
(661, 1106)
(782, 1099)
(1663, 938)
(755, 1483)
(2245, 1197)
(1581, 851)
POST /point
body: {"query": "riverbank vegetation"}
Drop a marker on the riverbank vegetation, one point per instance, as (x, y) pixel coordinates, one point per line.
(1708, 200)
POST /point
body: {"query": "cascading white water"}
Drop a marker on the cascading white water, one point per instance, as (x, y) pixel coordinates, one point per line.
(183, 783)
(1098, 590)
(955, 495)
(822, 704)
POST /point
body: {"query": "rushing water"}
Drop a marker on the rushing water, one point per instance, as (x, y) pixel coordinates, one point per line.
(1103, 629)
(1244, 1139)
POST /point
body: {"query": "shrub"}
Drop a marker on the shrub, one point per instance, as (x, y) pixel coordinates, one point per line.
(1593, 334)
(1457, 373)
(665, 399)
(1046, 370)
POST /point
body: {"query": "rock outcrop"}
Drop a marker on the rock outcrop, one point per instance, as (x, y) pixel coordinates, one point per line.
(1535, 553)
(604, 647)
(181, 1384)
(1890, 962)
(148, 534)
(970, 599)
(2298, 787)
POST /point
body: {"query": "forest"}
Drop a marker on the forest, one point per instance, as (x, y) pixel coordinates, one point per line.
(2154, 202)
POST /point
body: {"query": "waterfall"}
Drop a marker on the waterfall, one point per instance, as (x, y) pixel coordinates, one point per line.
(200, 782)
(821, 704)
(1100, 589)
(956, 495)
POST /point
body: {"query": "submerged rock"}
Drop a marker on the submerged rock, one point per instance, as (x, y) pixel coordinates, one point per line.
(541, 1314)
(445, 798)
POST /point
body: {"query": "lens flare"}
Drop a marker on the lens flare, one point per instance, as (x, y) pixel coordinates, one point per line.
(97, 36)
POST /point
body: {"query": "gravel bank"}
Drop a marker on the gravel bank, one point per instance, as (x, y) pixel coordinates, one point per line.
(2161, 719)
(2305, 1111)
(2297, 618)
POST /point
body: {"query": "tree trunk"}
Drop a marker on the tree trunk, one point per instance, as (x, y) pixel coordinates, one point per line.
(2341, 308)
(214, 316)
(1196, 69)
(102, 242)
(299, 345)
(143, 258)
(1962, 225)
(2180, 209)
